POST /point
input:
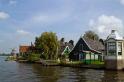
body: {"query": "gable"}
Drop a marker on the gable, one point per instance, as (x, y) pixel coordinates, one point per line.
(111, 40)
(66, 50)
(81, 42)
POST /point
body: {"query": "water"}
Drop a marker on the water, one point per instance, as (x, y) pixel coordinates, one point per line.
(19, 72)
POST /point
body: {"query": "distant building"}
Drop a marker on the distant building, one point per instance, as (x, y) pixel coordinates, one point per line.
(65, 47)
(24, 49)
(87, 49)
(114, 58)
(13, 53)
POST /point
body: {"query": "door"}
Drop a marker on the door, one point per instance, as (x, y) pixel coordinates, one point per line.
(81, 56)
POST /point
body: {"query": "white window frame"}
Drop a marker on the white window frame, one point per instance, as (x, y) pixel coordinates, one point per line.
(119, 47)
(111, 48)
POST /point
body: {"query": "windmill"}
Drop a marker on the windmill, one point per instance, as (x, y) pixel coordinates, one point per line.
(13, 52)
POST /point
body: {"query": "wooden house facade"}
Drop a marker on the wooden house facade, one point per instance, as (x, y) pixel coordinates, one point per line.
(87, 49)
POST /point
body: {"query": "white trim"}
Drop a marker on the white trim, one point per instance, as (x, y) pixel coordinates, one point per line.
(65, 49)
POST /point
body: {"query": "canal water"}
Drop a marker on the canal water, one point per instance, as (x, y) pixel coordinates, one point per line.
(18, 72)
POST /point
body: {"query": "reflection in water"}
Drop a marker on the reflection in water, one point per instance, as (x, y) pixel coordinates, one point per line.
(19, 72)
(47, 74)
(114, 76)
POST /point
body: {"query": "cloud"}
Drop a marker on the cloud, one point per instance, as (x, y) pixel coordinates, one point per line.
(104, 24)
(50, 18)
(41, 19)
(23, 32)
(3, 15)
(122, 2)
(12, 2)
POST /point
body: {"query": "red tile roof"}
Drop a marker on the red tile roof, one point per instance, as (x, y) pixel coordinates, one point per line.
(23, 49)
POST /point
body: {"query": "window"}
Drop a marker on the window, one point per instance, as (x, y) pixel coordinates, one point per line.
(119, 48)
(112, 48)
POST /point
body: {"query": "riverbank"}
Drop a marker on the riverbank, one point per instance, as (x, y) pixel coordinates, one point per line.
(22, 72)
(95, 66)
(75, 64)
(10, 58)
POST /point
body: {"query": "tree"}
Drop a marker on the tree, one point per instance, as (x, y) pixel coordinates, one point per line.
(38, 48)
(91, 35)
(48, 44)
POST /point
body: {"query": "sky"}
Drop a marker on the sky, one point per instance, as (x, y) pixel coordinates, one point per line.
(22, 20)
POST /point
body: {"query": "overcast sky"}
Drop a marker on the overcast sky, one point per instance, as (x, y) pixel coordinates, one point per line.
(22, 20)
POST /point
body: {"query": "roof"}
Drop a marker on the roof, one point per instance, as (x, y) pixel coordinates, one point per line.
(94, 45)
(115, 35)
(63, 45)
(24, 49)
(89, 45)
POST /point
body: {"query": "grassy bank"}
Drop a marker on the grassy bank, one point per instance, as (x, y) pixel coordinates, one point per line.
(10, 58)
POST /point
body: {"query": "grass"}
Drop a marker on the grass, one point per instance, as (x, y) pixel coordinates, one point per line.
(52, 61)
(10, 58)
(72, 63)
(90, 64)
(31, 57)
(75, 62)
(97, 62)
(84, 62)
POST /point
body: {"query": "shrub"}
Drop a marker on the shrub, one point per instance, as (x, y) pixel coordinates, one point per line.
(33, 57)
(21, 58)
(10, 58)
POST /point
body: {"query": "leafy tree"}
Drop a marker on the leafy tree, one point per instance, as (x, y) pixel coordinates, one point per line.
(38, 48)
(48, 45)
(91, 35)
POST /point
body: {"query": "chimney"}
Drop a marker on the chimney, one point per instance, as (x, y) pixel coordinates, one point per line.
(113, 31)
